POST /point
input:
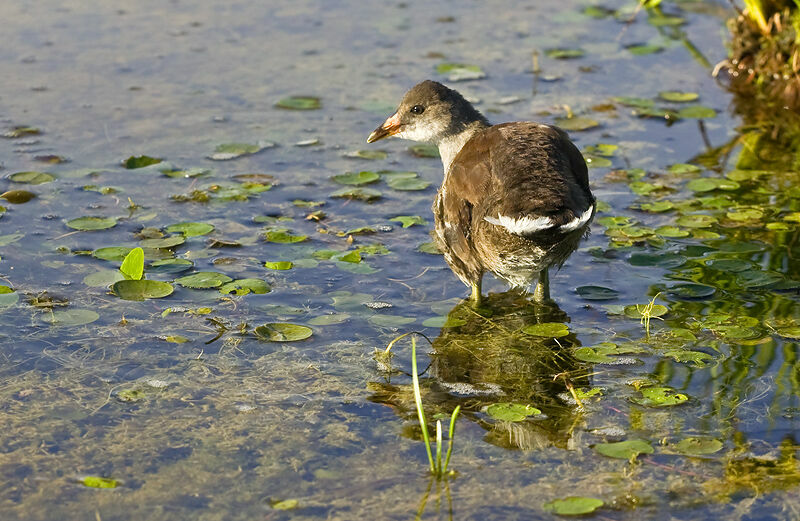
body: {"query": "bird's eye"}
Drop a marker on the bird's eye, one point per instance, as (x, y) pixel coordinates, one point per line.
(417, 109)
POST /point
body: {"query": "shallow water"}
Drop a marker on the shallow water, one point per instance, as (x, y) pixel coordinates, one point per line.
(198, 418)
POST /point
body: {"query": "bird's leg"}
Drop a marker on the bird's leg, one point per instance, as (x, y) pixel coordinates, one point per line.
(475, 298)
(542, 292)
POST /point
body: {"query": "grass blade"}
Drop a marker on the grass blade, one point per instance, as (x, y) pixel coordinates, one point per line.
(418, 401)
(438, 447)
(450, 437)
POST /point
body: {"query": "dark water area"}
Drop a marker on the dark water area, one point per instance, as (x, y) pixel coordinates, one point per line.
(195, 412)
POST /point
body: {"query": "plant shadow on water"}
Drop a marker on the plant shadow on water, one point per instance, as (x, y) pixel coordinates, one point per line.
(485, 358)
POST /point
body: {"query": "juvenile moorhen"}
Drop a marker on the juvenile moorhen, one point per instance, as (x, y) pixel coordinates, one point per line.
(515, 198)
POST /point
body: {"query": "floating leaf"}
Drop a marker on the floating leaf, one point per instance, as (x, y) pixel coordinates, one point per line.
(677, 96)
(102, 278)
(328, 320)
(391, 320)
(299, 103)
(697, 111)
(409, 220)
(284, 237)
(164, 242)
(356, 178)
(672, 232)
(634, 102)
(658, 206)
(627, 450)
(21, 131)
(429, 248)
(635, 311)
(283, 332)
(425, 150)
(8, 297)
(660, 397)
(696, 220)
(690, 290)
(17, 196)
(564, 54)
(573, 505)
(511, 412)
(683, 168)
(98, 482)
(408, 184)
(187, 173)
(367, 154)
(227, 151)
(203, 279)
(141, 289)
(278, 265)
(444, 321)
(190, 229)
(547, 329)
(662, 20)
(286, 504)
(32, 178)
(134, 162)
(92, 223)
(596, 293)
(71, 317)
(597, 162)
(361, 194)
(644, 49)
(5, 240)
(112, 253)
(133, 264)
(353, 257)
(245, 286)
(577, 123)
(695, 446)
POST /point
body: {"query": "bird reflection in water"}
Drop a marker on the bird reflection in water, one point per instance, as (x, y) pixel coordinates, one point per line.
(486, 358)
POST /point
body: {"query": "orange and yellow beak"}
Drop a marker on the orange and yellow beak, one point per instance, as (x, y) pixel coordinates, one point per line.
(390, 127)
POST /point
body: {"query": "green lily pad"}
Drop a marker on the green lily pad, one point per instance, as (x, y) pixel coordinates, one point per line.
(100, 279)
(390, 320)
(745, 214)
(564, 54)
(284, 237)
(245, 286)
(695, 446)
(696, 221)
(329, 320)
(635, 311)
(576, 123)
(299, 103)
(678, 96)
(189, 229)
(672, 232)
(283, 332)
(21, 131)
(626, 450)
(279, 265)
(660, 397)
(573, 506)
(5, 240)
(690, 290)
(368, 154)
(352, 257)
(187, 173)
(662, 20)
(164, 242)
(443, 321)
(71, 317)
(32, 178)
(286, 504)
(424, 150)
(547, 329)
(684, 168)
(601, 149)
(697, 111)
(227, 151)
(409, 220)
(92, 223)
(135, 162)
(141, 289)
(597, 162)
(17, 196)
(98, 482)
(170, 266)
(630, 101)
(133, 264)
(356, 178)
(597, 293)
(644, 49)
(597, 354)
(430, 248)
(361, 194)
(203, 280)
(112, 253)
(408, 184)
(511, 412)
(8, 297)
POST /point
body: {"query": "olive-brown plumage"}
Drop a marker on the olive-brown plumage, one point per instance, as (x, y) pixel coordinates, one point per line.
(515, 198)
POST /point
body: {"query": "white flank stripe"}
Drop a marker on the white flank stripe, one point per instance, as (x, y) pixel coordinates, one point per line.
(523, 225)
(578, 221)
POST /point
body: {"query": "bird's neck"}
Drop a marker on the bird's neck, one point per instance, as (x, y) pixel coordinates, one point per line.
(451, 145)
